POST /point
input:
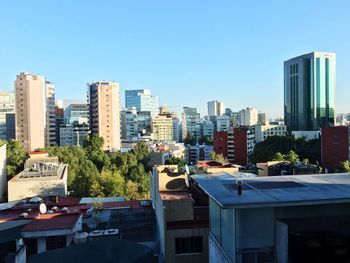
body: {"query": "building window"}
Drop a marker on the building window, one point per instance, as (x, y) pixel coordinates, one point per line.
(188, 245)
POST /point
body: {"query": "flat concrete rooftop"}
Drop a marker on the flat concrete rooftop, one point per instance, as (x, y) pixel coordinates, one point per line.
(276, 191)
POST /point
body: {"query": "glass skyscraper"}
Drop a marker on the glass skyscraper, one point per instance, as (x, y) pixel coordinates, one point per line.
(142, 100)
(309, 91)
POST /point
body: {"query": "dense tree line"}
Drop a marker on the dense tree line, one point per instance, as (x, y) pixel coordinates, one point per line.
(267, 150)
(92, 171)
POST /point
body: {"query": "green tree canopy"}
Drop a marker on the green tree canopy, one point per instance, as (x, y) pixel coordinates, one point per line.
(217, 157)
(267, 150)
(15, 157)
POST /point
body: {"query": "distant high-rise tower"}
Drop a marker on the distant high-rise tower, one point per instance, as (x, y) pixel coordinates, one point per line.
(7, 116)
(309, 91)
(248, 117)
(191, 123)
(104, 112)
(215, 108)
(50, 125)
(142, 100)
(30, 121)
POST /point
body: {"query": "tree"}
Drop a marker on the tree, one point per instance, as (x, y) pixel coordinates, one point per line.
(344, 167)
(174, 160)
(190, 139)
(15, 157)
(205, 140)
(217, 157)
(266, 150)
(278, 157)
(86, 180)
(292, 157)
(131, 190)
(112, 183)
(93, 146)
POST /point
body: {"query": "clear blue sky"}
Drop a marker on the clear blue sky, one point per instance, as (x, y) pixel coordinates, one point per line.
(187, 52)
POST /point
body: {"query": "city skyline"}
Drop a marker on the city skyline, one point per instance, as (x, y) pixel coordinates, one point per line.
(226, 52)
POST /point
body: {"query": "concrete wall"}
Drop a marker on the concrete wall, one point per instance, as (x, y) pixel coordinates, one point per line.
(179, 210)
(215, 252)
(3, 178)
(171, 235)
(19, 189)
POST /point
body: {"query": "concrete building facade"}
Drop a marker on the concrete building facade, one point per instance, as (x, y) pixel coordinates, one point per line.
(3, 176)
(7, 116)
(264, 131)
(268, 221)
(334, 146)
(50, 117)
(191, 123)
(248, 117)
(162, 128)
(104, 112)
(30, 119)
(216, 108)
(42, 176)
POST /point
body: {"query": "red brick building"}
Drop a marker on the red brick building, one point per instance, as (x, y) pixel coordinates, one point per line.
(243, 144)
(220, 143)
(334, 146)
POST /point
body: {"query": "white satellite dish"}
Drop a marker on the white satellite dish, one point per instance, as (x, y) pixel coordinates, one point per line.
(42, 208)
(187, 170)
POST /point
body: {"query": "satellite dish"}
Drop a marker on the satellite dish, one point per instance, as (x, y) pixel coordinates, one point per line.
(42, 208)
(187, 170)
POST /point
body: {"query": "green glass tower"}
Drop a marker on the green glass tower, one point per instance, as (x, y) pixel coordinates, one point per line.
(309, 91)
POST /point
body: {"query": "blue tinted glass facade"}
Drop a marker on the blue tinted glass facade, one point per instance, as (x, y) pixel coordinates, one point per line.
(309, 88)
(142, 100)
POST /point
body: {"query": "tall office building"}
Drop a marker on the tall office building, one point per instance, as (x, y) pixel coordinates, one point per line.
(309, 91)
(59, 121)
(216, 108)
(76, 125)
(191, 123)
(7, 116)
(142, 100)
(248, 117)
(76, 114)
(50, 125)
(104, 112)
(30, 119)
(162, 128)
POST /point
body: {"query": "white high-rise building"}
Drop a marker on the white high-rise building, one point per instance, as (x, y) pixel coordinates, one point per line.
(104, 112)
(248, 117)
(50, 116)
(216, 108)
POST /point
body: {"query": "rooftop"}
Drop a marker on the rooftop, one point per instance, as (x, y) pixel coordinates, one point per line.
(104, 250)
(45, 222)
(214, 164)
(44, 173)
(174, 195)
(277, 190)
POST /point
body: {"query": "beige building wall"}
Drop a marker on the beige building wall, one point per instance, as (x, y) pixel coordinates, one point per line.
(22, 188)
(3, 178)
(104, 100)
(162, 128)
(30, 122)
